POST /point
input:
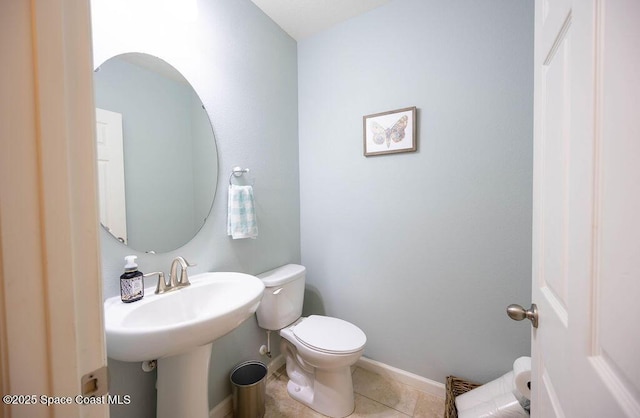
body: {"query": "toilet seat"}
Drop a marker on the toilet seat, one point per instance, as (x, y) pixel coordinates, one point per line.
(329, 335)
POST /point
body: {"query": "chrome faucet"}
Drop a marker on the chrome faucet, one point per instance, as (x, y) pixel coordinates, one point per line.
(174, 282)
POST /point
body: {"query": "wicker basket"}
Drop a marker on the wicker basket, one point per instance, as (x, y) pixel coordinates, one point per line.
(455, 386)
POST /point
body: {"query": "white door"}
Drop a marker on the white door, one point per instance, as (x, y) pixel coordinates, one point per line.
(52, 334)
(586, 226)
(113, 213)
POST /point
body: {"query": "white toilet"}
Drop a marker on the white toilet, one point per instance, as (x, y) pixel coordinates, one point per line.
(319, 350)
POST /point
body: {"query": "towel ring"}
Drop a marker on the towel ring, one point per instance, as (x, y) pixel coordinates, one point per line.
(237, 171)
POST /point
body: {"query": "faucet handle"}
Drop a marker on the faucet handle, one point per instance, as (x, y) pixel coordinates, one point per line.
(162, 284)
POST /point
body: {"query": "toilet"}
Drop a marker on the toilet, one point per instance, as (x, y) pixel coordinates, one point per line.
(319, 350)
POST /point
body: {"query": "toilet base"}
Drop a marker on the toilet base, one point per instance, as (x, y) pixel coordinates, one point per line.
(331, 392)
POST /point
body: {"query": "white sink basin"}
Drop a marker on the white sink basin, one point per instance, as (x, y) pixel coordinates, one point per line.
(173, 323)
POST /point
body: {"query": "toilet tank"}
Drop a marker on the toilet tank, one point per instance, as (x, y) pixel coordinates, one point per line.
(281, 303)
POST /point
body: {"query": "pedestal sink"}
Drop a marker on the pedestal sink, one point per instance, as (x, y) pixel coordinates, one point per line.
(177, 328)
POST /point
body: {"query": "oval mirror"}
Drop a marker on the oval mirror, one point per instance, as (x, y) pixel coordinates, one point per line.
(157, 156)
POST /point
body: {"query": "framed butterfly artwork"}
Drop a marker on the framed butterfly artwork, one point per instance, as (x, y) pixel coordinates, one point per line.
(390, 132)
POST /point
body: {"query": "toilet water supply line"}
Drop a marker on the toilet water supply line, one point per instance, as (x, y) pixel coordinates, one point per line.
(265, 350)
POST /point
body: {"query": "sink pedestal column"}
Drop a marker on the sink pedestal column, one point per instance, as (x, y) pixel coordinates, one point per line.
(183, 382)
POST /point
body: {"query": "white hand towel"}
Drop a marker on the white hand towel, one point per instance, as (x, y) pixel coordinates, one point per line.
(241, 219)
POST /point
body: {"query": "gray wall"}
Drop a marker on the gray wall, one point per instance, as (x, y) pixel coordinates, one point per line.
(422, 250)
(244, 68)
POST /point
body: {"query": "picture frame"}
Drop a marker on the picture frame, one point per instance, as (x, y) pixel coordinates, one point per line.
(390, 132)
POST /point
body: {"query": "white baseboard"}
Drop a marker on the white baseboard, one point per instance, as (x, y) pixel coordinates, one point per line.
(223, 408)
(226, 406)
(275, 364)
(418, 382)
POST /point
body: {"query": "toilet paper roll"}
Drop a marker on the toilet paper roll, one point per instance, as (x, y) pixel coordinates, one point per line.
(502, 406)
(522, 376)
(486, 392)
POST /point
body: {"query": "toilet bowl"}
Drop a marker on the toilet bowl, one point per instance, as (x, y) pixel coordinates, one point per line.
(318, 350)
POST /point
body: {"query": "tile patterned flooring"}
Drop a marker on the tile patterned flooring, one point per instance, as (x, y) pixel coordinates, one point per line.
(375, 396)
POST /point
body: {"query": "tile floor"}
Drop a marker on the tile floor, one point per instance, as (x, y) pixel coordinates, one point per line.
(375, 395)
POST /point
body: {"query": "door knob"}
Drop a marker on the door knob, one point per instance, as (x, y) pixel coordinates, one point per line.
(518, 313)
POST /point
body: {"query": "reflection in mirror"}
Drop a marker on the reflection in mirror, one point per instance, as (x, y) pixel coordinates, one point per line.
(157, 157)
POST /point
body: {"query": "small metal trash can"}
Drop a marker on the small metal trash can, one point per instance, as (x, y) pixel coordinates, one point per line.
(248, 384)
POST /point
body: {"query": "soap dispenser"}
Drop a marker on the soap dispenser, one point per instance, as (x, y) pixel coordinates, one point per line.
(131, 284)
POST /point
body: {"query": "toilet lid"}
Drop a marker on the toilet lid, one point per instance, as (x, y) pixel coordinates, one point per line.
(330, 335)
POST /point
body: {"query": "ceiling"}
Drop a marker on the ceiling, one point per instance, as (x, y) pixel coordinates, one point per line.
(303, 18)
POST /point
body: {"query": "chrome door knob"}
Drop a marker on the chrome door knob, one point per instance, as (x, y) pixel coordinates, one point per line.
(518, 313)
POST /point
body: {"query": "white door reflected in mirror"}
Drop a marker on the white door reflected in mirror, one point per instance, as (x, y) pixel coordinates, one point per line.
(113, 213)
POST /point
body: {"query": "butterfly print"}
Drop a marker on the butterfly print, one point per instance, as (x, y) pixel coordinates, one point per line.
(395, 133)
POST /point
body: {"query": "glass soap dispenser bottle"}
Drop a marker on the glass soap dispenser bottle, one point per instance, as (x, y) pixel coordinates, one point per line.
(131, 284)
